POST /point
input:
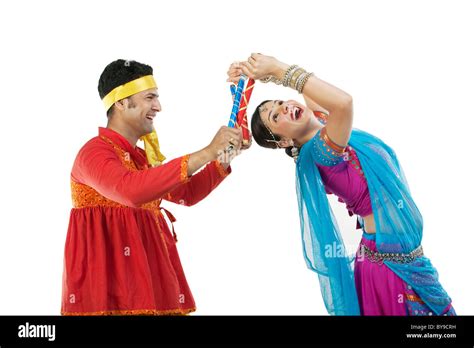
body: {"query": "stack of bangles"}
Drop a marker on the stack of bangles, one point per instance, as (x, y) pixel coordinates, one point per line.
(295, 77)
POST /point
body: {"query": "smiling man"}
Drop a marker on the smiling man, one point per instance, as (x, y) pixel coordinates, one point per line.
(120, 256)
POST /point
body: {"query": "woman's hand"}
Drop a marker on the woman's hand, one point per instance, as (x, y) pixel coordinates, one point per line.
(259, 66)
(234, 72)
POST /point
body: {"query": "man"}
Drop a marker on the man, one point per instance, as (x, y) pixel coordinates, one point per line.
(120, 257)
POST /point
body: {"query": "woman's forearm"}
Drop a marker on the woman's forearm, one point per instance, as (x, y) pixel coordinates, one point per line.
(314, 106)
(320, 92)
(334, 100)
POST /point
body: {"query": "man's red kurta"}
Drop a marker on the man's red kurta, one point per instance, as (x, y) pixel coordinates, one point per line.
(120, 256)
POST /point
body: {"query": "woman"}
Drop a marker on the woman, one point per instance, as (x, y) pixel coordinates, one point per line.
(391, 275)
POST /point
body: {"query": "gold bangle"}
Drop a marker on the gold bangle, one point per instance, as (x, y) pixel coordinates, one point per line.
(266, 79)
(289, 71)
(299, 80)
(295, 77)
(270, 78)
(303, 82)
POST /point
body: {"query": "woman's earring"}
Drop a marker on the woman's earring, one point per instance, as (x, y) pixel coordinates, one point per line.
(294, 153)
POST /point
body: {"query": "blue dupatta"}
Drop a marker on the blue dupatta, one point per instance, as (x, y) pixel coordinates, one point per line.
(399, 226)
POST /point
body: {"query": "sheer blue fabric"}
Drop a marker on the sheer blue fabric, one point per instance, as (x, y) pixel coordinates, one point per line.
(399, 225)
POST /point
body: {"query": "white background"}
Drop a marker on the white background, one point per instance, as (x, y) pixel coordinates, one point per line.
(407, 64)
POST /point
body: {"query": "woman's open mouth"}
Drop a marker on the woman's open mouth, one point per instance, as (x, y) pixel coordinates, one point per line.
(296, 114)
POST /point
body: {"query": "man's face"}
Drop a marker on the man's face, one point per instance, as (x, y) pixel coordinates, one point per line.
(141, 109)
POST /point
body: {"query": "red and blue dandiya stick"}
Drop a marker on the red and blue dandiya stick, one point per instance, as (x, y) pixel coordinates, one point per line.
(237, 98)
(242, 115)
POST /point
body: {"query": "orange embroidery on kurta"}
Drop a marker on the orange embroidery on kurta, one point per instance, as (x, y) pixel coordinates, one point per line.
(134, 312)
(220, 169)
(184, 169)
(85, 196)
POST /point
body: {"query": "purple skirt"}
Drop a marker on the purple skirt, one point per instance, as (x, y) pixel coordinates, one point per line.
(382, 292)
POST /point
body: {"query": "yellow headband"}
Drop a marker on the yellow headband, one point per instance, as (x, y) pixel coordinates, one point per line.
(130, 88)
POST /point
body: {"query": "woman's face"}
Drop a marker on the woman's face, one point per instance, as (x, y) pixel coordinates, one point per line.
(289, 119)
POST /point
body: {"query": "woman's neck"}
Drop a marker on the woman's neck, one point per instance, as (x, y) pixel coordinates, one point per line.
(313, 127)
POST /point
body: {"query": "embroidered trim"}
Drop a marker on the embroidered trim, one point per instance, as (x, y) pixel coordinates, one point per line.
(330, 143)
(321, 116)
(379, 258)
(133, 312)
(123, 155)
(184, 169)
(84, 196)
(351, 156)
(325, 154)
(414, 298)
(220, 169)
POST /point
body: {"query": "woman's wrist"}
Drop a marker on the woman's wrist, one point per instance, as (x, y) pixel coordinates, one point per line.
(276, 73)
(279, 70)
(291, 76)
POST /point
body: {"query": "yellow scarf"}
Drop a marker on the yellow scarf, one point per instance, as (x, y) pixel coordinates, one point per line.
(152, 149)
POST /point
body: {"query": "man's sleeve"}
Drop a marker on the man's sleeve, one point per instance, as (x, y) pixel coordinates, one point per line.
(199, 185)
(98, 166)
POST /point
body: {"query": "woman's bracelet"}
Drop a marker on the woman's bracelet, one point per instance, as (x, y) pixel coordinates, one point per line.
(302, 79)
(289, 74)
(294, 77)
(270, 78)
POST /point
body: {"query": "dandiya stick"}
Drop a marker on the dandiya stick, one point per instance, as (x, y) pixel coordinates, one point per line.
(242, 115)
(236, 105)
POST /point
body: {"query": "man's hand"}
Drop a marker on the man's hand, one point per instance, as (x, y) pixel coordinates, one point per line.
(226, 138)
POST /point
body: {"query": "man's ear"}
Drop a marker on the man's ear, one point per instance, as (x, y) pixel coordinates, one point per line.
(285, 142)
(121, 104)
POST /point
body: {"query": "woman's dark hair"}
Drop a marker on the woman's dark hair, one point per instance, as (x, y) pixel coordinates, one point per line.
(261, 133)
(118, 73)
